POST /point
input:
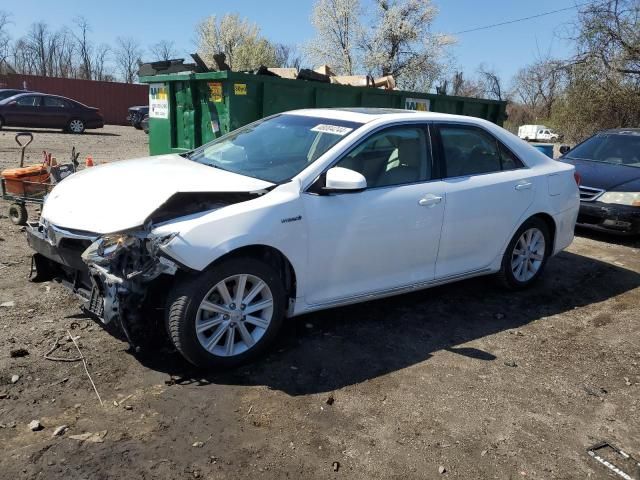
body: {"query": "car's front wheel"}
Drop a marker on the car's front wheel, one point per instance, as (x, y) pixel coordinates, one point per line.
(526, 255)
(227, 314)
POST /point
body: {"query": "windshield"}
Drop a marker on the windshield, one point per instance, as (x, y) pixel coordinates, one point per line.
(275, 149)
(617, 149)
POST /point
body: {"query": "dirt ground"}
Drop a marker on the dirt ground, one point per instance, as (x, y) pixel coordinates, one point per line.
(460, 381)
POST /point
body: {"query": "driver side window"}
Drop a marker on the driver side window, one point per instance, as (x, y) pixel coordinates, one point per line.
(395, 156)
(30, 101)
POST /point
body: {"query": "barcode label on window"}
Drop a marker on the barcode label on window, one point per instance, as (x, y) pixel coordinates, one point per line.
(333, 129)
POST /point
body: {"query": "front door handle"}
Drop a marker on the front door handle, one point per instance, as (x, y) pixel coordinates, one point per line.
(429, 200)
(524, 185)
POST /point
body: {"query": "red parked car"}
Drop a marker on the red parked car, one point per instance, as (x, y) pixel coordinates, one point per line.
(48, 111)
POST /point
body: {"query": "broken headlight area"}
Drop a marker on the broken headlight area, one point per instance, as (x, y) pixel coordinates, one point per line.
(124, 269)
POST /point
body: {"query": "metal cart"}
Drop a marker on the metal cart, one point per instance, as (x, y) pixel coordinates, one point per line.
(30, 191)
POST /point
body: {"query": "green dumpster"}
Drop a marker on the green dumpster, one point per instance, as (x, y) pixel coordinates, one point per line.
(188, 110)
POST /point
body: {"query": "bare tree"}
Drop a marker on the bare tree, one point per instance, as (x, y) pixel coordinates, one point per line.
(163, 50)
(84, 47)
(37, 43)
(128, 54)
(457, 83)
(100, 59)
(539, 86)
(5, 38)
(338, 29)
(491, 83)
(63, 55)
(288, 56)
(608, 32)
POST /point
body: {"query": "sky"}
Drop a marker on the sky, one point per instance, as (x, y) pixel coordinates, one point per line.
(506, 48)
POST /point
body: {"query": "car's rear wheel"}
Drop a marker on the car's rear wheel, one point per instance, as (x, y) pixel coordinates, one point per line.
(228, 314)
(76, 126)
(18, 214)
(526, 255)
(1, 123)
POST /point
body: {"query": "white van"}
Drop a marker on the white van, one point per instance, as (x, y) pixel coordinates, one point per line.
(538, 133)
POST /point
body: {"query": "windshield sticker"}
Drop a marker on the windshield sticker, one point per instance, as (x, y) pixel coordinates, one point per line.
(332, 129)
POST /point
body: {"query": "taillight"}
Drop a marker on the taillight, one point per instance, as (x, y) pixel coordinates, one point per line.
(577, 178)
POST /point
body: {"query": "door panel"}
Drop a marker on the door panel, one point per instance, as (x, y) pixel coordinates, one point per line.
(488, 191)
(481, 213)
(371, 241)
(53, 112)
(24, 113)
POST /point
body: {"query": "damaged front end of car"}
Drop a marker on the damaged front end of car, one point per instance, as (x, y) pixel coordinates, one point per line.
(122, 277)
(122, 267)
(114, 274)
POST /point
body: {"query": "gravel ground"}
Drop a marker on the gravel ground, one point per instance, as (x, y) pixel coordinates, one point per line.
(112, 142)
(460, 381)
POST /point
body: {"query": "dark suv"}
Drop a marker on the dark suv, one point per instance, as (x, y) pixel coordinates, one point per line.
(136, 114)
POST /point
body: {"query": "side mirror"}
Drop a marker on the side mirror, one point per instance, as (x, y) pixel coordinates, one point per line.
(564, 149)
(344, 180)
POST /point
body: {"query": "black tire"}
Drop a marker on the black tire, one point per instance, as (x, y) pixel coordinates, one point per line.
(18, 214)
(184, 302)
(1, 123)
(506, 275)
(76, 125)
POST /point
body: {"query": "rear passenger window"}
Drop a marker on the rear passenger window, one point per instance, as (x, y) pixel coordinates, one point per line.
(471, 151)
(54, 102)
(508, 159)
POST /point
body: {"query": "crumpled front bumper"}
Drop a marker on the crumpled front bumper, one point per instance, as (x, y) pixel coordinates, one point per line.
(59, 257)
(111, 291)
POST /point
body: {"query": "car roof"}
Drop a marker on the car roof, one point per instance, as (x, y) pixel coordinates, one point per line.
(40, 94)
(366, 115)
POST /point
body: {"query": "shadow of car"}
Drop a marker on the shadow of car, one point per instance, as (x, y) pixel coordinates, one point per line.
(332, 349)
(41, 110)
(609, 166)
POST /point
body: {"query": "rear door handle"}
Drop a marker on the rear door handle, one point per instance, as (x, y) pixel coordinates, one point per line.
(429, 200)
(523, 185)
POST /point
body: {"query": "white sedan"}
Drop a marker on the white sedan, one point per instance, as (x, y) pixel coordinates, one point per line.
(298, 212)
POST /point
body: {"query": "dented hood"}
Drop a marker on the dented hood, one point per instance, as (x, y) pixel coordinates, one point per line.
(121, 195)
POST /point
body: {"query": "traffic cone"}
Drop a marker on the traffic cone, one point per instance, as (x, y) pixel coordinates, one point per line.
(89, 161)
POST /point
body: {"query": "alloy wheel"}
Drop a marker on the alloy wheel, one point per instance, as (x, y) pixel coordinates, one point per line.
(528, 254)
(234, 315)
(76, 126)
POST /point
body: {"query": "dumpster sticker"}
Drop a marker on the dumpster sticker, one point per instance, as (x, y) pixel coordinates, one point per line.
(215, 92)
(419, 104)
(332, 129)
(240, 88)
(158, 101)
